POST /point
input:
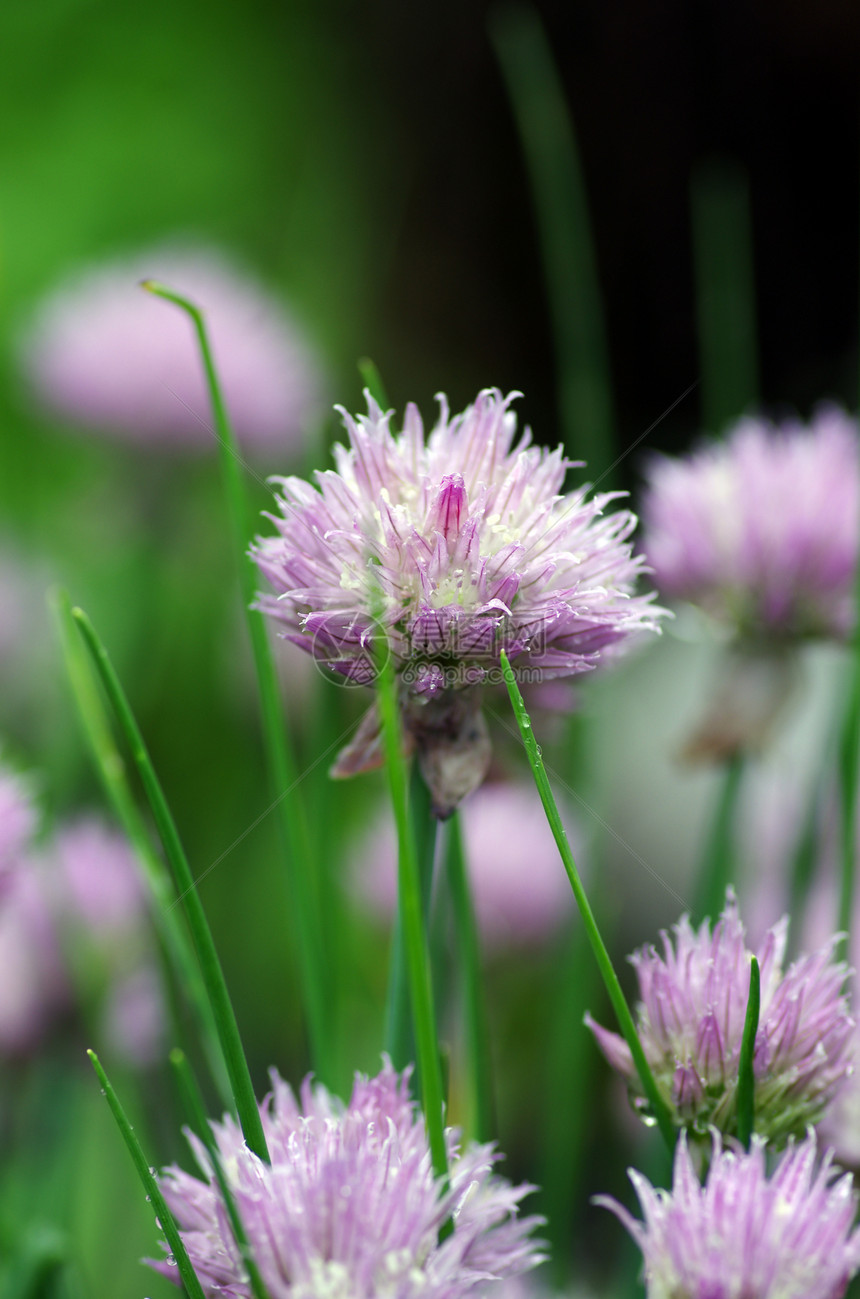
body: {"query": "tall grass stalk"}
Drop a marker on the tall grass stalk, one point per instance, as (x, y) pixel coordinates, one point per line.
(210, 966)
(658, 1106)
(303, 870)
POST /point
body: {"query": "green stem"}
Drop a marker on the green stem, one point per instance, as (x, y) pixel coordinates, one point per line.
(372, 380)
(561, 208)
(718, 862)
(477, 1029)
(199, 1122)
(213, 975)
(301, 862)
(725, 296)
(165, 1218)
(111, 768)
(414, 931)
(399, 1036)
(746, 1075)
(659, 1108)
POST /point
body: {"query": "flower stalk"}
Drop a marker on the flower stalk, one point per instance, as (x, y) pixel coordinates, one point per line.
(300, 858)
(658, 1106)
(210, 965)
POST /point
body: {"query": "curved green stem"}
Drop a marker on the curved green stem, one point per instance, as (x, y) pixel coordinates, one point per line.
(166, 1221)
(111, 769)
(210, 965)
(622, 1011)
(302, 866)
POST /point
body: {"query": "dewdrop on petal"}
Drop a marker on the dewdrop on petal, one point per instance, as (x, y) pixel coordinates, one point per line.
(693, 999)
(349, 1205)
(102, 353)
(443, 553)
(744, 1234)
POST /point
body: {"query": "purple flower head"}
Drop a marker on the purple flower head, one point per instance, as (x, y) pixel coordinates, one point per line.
(691, 1019)
(762, 530)
(520, 890)
(445, 552)
(104, 354)
(743, 1235)
(349, 1205)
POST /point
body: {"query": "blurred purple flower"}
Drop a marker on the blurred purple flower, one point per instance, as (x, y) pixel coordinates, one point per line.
(743, 1235)
(98, 881)
(520, 891)
(762, 530)
(103, 353)
(73, 922)
(458, 547)
(34, 981)
(349, 1204)
(691, 1019)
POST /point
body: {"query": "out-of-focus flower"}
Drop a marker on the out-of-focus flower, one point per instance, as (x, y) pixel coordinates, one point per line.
(104, 354)
(762, 530)
(691, 1019)
(349, 1204)
(34, 980)
(743, 1235)
(73, 924)
(519, 889)
(455, 548)
(98, 882)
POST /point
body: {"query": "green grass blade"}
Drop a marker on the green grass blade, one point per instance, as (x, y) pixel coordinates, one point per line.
(112, 771)
(399, 1036)
(210, 965)
(197, 1118)
(305, 879)
(166, 1221)
(372, 380)
(658, 1106)
(746, 1075)
(477, 1029)
(561, 209)
(414, 930)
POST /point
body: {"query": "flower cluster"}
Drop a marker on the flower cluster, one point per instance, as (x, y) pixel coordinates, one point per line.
(743, 1235)
(445, 552)
(762, 530)
(102, 353)
(691, 1019)
(349, 1205)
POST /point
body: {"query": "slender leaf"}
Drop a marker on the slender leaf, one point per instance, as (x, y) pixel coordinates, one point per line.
(658, 1106)
(210, 965)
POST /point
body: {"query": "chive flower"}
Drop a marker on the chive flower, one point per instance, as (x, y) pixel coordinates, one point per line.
(349, 1205)
(691, 1019)
(743, 1234)
(102, 354)
(443, 552)
(762, 529)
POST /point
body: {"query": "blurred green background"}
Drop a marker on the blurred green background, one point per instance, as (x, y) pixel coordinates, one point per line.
(364, 160)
